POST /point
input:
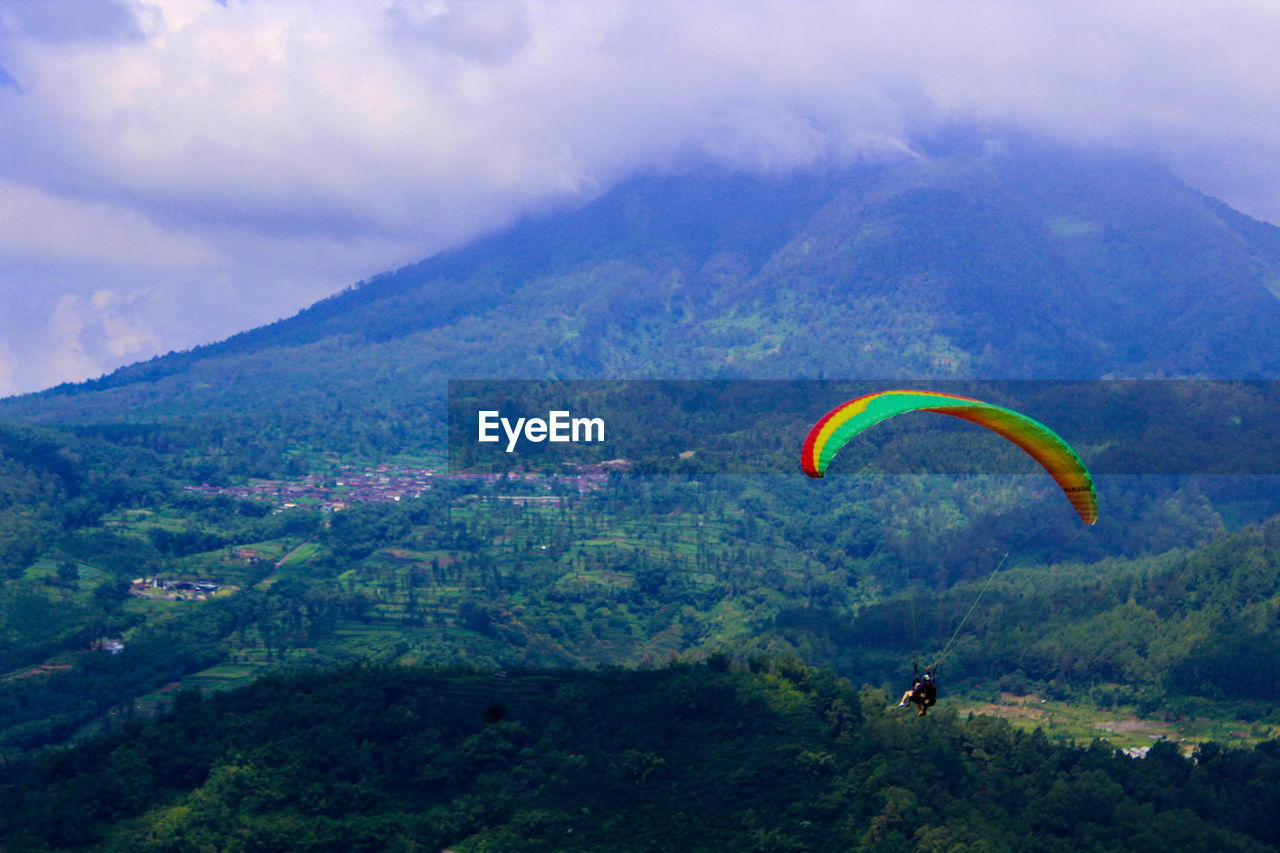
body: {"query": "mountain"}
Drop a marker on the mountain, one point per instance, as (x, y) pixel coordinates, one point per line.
(1002, 260)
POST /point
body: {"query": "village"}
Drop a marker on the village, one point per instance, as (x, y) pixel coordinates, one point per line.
(390, 483)
(381, 484)
(378, 484)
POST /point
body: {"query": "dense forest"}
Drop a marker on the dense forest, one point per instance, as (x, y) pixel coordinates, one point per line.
(770, 756)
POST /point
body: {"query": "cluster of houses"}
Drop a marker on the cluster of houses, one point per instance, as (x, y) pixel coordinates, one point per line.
(388, 483)
(181, 590)
(381, 484)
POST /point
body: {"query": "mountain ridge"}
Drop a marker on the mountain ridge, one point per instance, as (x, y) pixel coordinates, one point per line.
(1019, 262)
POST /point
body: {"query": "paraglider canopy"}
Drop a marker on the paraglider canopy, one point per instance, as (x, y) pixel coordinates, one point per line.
(1043, 445)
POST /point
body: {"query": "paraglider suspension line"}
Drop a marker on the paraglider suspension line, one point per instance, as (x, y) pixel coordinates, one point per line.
(947, 648)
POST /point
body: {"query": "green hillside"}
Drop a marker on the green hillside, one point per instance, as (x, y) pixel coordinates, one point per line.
(624, 570)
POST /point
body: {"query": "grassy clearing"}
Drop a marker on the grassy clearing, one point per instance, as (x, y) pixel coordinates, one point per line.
(223, 677)
(46, 569)
(249, 664)
(140, 521)
(1080, 724)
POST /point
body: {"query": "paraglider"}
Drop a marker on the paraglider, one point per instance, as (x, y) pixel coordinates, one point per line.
(923, 692)
(847, 420)
(1043, 445)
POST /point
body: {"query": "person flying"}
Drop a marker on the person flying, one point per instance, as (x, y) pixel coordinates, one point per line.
(923, 692)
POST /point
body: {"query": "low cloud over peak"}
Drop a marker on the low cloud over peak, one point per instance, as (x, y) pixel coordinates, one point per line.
(289, 148)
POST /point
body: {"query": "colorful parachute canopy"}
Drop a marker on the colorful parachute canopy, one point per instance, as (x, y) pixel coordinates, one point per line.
(847, 420)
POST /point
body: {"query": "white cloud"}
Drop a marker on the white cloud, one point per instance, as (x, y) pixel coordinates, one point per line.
(81, 339)
(65, 357)
(62, 21)
(487, 31)
(123, 334)
(36, 223)
(282, 149)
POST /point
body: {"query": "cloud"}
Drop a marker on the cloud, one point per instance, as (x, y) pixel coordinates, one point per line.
(79, 339)
(69, 20)
(36, 223)
(66, 356)
(123, 335)
(303, 117)
(265, 148)
(486, 31)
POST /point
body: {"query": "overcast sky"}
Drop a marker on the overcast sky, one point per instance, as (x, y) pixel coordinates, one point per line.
(175, 171)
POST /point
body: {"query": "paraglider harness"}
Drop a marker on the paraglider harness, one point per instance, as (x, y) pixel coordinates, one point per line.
(924, 688)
